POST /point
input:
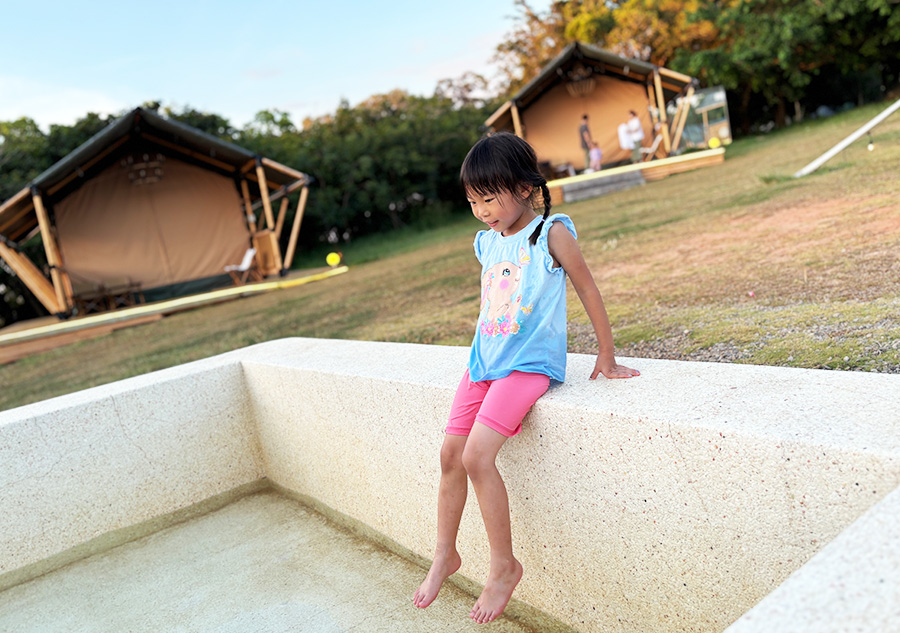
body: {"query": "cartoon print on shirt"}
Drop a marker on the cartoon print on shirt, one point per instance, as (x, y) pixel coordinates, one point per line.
(500, 303)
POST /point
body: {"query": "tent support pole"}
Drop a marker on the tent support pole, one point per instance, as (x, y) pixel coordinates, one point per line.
(661, 100)
(264, 192)
(32, 277)
(517, 122)
(279, 223)
(271, 184)
(281, 193)
(248, 208)
(654, 112)
(21, 214)
(284, 169)
(19, 197)
(61, 283)
(295, 229)
(681, 116)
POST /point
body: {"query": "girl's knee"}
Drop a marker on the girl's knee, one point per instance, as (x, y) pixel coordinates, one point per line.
(477, 461)
(451, 456)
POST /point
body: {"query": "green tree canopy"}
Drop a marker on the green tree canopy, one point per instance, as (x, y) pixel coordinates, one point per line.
(391, 161)
(772, 51)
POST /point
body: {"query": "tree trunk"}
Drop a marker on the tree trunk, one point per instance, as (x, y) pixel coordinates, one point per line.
(780, 113)
(744, 110)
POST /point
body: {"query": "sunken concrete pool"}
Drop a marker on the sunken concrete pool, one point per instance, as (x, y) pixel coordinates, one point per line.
(291, 486)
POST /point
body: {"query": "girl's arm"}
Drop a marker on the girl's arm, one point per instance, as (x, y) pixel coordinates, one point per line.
(566, 252)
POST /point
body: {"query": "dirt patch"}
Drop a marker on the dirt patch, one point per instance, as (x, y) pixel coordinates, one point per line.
(837, 249)
(756, 267)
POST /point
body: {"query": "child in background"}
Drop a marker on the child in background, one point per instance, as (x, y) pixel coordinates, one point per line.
(636, 131)
(596, 156)
(519, 346)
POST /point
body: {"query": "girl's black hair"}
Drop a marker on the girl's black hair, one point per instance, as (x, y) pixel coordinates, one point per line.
(504, 162)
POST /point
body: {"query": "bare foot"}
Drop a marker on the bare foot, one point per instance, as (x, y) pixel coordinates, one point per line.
(496, 594)
(441, 568)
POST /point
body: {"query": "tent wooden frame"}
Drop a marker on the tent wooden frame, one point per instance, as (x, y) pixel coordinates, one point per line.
(662, 86)
(260, 181)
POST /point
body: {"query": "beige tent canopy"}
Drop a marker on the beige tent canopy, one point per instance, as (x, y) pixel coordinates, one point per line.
(584, 79)
(149, 203)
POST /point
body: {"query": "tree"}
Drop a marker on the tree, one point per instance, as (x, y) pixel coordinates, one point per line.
(391, 161)
(212, 124)
(272, 123)
(24, 154)
(536, 39)
(649, 30)
(767, 53)
(63, 139)
(469, 89)
(861, 36)
(776, 48)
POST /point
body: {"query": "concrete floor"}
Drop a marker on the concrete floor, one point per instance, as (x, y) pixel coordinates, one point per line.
(264, 563)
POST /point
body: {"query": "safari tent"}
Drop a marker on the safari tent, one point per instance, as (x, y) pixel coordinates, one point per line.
(584, 79)
(148, 206)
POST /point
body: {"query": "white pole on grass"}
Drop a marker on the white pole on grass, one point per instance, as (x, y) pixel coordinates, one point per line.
(821, 160)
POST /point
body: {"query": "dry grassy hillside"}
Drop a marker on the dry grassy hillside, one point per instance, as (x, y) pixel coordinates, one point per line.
(737, 262)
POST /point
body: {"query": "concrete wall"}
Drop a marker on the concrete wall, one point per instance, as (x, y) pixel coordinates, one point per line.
(853, 584)
(674, 501)
(76, 469)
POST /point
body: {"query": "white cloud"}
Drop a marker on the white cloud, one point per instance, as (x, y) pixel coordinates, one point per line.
(47, 104)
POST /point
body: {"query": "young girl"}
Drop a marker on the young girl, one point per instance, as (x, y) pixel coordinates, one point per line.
(596, 156)
(519, 345)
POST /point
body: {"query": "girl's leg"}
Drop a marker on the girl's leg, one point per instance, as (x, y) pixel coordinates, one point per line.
(479, 459)
(451, 501)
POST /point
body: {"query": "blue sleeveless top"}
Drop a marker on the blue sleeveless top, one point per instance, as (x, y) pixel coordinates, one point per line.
(522, 323)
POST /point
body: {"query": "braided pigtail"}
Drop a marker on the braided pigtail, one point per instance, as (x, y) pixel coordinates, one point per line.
(545, 194)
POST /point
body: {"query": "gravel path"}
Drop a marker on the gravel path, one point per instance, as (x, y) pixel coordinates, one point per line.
(582, 340)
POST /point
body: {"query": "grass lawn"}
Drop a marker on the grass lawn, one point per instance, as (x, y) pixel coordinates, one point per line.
(737, 262)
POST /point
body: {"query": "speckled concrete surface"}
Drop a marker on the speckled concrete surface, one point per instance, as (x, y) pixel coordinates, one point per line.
(77, 467)
(263, 564)
(851, 586)
(671, 502)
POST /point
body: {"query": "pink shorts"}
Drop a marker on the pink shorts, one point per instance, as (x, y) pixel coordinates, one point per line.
(499, 404)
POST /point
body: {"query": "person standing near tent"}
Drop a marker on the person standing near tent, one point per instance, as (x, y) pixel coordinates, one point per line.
(636, 132)
(584, 133)
(625, 141)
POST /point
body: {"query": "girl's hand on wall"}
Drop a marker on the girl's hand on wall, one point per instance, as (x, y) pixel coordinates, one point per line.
(613, 370)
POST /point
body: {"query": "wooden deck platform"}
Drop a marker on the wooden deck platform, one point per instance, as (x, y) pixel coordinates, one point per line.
(31, 337)
(576, 186)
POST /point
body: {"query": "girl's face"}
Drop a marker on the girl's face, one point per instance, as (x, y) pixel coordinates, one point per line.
(506, 212)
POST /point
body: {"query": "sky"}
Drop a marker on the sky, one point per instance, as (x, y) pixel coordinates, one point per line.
(61, 60)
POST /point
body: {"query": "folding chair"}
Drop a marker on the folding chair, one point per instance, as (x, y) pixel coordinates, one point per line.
(647, 153)
(247, 269)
